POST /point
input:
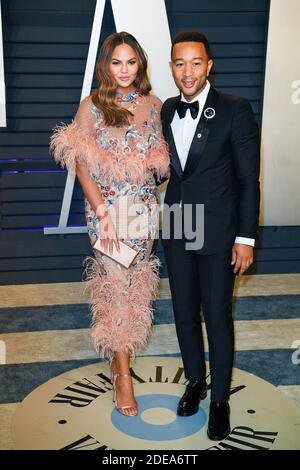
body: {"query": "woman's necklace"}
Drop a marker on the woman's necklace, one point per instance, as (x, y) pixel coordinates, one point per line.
(127, 98)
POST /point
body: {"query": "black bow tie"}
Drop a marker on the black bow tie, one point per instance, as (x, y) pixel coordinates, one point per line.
(182, 107)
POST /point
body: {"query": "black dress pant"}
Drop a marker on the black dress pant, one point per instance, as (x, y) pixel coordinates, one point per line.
(203, 280)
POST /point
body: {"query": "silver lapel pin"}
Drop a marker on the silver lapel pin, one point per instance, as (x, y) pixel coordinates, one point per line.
(209, 113)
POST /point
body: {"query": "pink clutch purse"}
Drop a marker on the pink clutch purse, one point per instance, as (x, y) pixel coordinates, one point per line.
(124, 257)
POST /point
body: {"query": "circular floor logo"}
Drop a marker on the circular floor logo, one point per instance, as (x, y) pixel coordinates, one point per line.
(75, 411)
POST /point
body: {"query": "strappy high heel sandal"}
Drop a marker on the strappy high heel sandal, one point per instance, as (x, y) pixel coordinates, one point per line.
(118, 406)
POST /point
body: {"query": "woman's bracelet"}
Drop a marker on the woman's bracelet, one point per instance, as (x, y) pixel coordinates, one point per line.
(98, 212)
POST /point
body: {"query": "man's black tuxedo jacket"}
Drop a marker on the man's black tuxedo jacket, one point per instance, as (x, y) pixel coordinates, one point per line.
(221, 172)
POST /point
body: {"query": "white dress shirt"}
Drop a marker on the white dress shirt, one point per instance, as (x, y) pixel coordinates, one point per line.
(183, 132)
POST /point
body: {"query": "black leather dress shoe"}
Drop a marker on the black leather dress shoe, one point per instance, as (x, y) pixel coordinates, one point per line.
(218, 423)
(189, 403)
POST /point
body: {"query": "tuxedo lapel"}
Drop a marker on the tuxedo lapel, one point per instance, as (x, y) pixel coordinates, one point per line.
(201, 134)
(174, 158)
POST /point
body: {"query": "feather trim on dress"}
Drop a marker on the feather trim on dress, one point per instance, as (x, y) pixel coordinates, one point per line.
(69, 145)
(121, 311)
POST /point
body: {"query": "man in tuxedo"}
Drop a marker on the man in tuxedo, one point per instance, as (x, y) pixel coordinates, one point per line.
(214, 148)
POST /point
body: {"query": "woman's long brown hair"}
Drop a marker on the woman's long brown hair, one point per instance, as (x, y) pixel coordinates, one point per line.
(104, 96)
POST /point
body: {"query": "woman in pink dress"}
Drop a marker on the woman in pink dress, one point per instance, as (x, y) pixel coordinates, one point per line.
(115, 146)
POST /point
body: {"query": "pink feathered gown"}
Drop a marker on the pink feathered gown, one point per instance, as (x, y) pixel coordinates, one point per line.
(122, 160)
